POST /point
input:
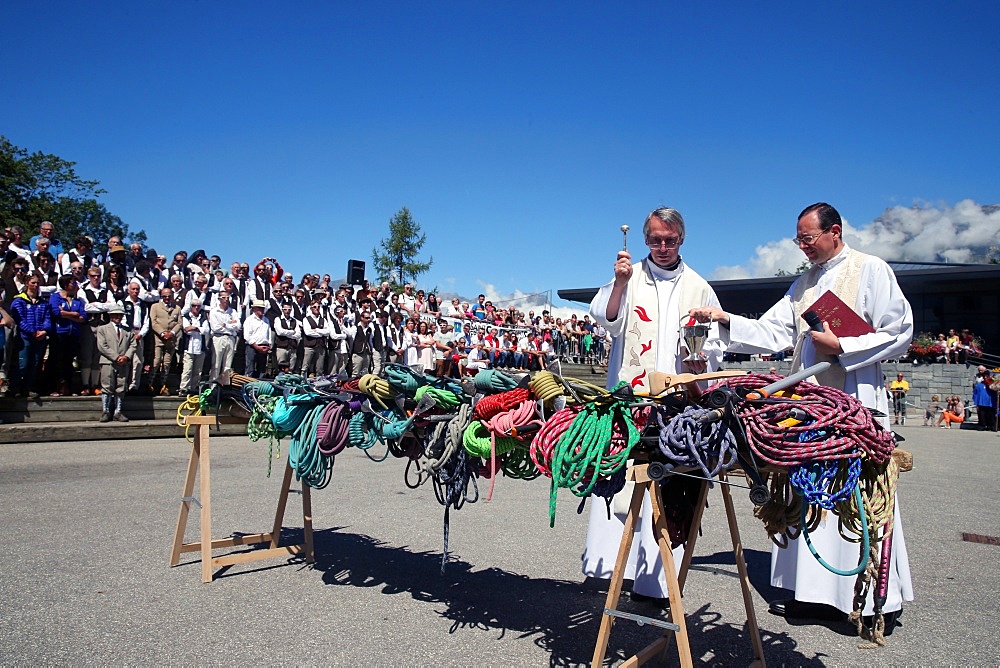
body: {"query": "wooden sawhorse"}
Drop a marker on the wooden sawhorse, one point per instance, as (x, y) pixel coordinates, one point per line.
(199, 464)
(675, 579)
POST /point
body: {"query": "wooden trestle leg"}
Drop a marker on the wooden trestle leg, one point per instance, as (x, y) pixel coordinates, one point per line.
(199, 465)
(675, 577)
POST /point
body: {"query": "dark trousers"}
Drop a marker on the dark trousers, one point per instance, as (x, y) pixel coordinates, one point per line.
(987, 416)
(65, 349)
(255, 362)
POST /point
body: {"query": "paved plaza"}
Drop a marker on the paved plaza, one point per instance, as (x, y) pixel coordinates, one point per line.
(87, 530)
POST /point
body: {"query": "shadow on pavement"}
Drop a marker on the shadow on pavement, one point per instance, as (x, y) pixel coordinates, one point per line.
(560, 616)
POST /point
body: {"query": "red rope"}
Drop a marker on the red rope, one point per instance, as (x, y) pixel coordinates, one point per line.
(850, 430)
(545, 440)
(492, 405)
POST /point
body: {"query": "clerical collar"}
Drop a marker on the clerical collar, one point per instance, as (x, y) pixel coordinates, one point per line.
(836, 259)
(666, 273)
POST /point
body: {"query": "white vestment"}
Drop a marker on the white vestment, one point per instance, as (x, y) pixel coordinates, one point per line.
(881, 303)
(604, 534)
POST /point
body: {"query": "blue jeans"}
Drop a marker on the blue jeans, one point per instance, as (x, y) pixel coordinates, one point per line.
(29, 360)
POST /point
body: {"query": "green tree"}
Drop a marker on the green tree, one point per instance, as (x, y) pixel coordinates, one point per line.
(397, 260)
(38, 186)
(801, 269)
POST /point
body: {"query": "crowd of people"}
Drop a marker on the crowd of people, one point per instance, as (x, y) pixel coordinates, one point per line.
(191, 315)
(955, 347)
(956, 409)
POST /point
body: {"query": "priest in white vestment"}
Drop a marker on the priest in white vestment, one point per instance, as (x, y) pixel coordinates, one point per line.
(641, 309)
(868, 285)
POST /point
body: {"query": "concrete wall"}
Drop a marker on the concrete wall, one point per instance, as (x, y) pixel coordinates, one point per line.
(924, 379)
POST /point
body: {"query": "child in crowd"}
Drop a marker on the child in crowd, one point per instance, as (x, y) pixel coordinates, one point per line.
(933, 408)
(953, 412)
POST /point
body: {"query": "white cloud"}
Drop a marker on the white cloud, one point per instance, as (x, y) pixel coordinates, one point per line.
(965, 232)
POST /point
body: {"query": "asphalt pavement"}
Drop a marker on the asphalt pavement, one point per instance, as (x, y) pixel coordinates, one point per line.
(87, 530)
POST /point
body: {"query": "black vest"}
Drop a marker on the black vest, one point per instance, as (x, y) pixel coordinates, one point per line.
(96, 319)
(286, 342)
(314, 341)
(361, 343)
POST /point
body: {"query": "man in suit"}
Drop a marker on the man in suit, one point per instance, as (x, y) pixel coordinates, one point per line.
(165, 321)
(116, 346)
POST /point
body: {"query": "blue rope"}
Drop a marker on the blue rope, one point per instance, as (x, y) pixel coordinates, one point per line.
(489, 381)
(364, 433)
(865, 544)
(685, 441)
(811, 481)
(310, 465)
(404, 379)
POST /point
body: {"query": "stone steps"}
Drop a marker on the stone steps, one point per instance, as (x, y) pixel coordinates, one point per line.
(83, 409)
(91, 430)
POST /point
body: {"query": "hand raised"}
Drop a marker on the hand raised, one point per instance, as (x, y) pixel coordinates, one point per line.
(623, 267)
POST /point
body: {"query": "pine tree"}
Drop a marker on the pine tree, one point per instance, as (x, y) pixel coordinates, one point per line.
(397, 261)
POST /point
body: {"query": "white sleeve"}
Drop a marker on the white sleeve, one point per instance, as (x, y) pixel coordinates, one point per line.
(886, 308)
(599, 308)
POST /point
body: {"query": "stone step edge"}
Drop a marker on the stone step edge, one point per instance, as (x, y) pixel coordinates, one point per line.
(65, 432)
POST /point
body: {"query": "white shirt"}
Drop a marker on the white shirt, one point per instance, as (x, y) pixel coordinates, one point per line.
(257, 331)
(145, 294)
(137, 328)
(195, 338)
(340, 338)
(223, 322)
(95, 305)
(203, 297)
(321, 330)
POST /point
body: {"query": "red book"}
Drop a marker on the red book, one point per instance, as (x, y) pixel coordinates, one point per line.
(842, 319)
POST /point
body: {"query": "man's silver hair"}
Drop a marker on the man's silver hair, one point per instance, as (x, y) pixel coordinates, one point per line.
(669, 216)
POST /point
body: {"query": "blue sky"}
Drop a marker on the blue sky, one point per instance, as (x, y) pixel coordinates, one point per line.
(520, 135)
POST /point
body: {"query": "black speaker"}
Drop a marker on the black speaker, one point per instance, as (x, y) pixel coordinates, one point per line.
(356, 272)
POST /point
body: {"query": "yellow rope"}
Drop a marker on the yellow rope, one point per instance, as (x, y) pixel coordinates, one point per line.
(188, 408)
(377, 388)
(546, 386)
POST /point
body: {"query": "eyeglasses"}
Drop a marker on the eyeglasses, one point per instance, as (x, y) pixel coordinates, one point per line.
(808, 239)
(24, 269)
(663, 242)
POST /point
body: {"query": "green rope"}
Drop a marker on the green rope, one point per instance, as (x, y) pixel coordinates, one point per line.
(260, 426)
(445, 399)
(584, 452)
(477, 441)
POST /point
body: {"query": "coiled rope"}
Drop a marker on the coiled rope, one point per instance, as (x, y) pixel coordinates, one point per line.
(839, 426)
(491, 381)
(404, 379)
(596, 444)
(687, 441)
(304, 456)
(378, 389)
